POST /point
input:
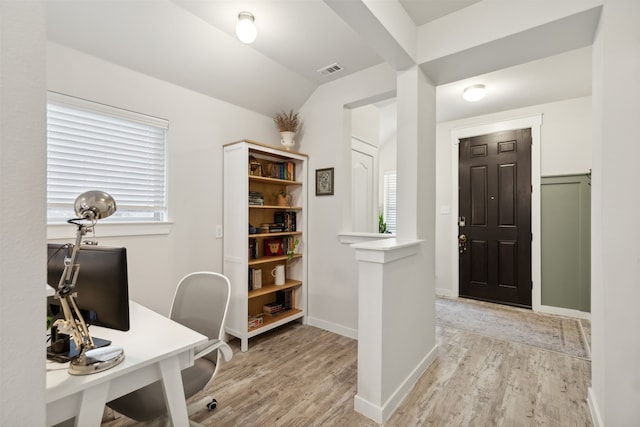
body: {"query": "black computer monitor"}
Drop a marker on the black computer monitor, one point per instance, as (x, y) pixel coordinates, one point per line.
(102, 286)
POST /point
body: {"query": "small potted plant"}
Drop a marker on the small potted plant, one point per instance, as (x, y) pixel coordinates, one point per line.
(287, 124)
(282, 198)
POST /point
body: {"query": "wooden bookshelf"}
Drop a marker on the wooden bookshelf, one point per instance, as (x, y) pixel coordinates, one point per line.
(250, 201)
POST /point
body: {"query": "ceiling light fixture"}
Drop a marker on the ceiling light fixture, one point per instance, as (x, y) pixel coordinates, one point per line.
(246, 28)
(474, 93)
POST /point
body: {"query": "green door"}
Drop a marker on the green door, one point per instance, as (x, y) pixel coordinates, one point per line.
(566, 242)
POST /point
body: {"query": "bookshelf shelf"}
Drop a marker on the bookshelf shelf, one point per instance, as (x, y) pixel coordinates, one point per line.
(268, 289)
(270, 322)
(284, 233)
(254, 174)
(270, 180)
(284, 208)
(270, 259)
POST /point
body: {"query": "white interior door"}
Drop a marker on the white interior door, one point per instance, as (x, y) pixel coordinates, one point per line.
(363, 179)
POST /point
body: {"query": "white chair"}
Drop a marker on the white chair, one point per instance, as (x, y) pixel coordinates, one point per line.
(200, 303)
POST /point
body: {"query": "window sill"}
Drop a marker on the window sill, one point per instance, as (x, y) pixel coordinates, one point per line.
(68, 231)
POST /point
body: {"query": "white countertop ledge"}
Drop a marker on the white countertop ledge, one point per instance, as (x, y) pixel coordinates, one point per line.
(386, 250)
(351, 237)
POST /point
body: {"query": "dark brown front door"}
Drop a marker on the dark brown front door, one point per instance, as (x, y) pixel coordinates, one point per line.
(495, 217)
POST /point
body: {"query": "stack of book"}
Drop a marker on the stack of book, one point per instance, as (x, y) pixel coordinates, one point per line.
(272, 308)
(256, 198)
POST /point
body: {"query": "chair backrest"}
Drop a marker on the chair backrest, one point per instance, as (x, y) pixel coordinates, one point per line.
(201, 301)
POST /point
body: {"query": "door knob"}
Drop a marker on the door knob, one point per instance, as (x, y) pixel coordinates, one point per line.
(462, 243)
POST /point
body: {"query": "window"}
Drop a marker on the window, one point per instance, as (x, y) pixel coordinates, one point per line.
(92, 146)
(389, 208)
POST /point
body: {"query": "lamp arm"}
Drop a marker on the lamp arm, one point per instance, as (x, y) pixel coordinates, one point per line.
(74, 325)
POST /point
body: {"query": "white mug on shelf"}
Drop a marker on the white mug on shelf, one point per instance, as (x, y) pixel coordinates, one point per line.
(278, 274)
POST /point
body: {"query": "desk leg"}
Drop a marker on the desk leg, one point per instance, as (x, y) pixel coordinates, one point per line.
(174, 391)
(92, 405)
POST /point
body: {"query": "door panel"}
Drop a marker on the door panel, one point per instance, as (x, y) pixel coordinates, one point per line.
(495, 217)
(362, 177)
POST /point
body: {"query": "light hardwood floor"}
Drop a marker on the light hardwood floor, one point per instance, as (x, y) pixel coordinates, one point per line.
(299, 375)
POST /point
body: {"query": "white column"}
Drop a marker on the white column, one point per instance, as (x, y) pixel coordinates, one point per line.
(615, 292)
(396, 318)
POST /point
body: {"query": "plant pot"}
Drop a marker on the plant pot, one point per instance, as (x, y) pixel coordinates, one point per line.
(287, 139)
(282, 200)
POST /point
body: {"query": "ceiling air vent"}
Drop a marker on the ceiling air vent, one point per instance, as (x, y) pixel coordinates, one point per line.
(330, 69)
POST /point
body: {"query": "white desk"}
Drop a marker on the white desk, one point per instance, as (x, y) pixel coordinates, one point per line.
(155, 348)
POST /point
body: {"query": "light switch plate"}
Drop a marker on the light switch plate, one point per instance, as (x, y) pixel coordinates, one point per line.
(219, 233)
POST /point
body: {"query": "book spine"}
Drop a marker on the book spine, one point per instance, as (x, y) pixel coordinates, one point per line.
(290, 171)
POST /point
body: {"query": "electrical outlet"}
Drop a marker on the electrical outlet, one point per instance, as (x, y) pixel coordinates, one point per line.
(219, 232)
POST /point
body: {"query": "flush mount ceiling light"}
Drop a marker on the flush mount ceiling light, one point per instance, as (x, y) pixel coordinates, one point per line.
(474, 93)
(246, 28)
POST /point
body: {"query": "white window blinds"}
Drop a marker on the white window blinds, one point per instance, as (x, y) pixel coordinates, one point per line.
(390, 200)
(97, 147)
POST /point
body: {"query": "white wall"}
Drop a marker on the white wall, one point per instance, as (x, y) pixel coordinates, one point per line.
(333, 273)
(388, 145)
(198, 128)
(566, 149)
(22, 230)
(365, 124)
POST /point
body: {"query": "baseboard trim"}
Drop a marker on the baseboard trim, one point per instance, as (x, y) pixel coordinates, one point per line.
(593, 408)
(548, 309)
(448, 293)
(381, 414)
(333, 327)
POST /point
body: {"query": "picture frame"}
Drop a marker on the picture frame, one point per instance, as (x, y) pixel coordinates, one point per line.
(324, 182)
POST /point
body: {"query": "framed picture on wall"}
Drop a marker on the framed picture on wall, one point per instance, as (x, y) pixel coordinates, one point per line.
(324, 182)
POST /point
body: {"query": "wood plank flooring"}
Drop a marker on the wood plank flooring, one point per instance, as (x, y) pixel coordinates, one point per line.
(299, 375)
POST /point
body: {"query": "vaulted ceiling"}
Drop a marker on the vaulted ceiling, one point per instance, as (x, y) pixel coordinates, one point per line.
(193, 44)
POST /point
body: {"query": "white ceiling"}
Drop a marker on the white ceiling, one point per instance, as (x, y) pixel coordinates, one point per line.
(193, 44)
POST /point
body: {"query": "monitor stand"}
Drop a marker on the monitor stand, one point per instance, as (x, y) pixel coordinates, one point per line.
(71, 352)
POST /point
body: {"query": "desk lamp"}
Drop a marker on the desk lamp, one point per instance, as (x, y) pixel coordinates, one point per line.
(90, 207)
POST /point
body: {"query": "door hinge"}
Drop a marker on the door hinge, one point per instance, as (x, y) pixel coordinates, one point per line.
(532, 284)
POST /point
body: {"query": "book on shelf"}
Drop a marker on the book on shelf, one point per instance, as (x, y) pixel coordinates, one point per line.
(290, 221)
(289, 244)
(256, 278)
(285, 298)
(287, 220)
(282, 170)
(272, 308)
(253, 248)
(276, 228)
(255, 321)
